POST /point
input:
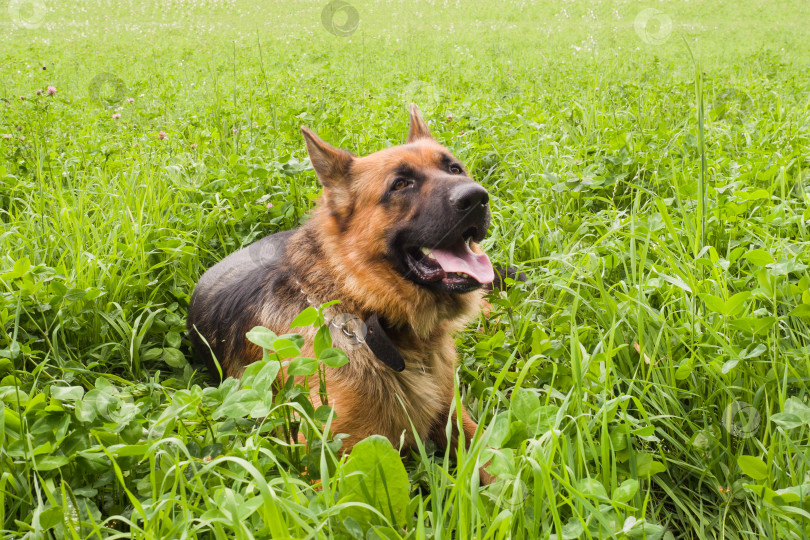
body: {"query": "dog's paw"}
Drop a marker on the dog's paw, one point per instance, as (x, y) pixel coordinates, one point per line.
(484, 477)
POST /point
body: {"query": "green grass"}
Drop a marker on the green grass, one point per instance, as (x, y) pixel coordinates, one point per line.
(650, 380)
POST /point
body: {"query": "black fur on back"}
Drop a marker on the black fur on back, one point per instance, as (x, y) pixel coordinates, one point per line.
(230, 297)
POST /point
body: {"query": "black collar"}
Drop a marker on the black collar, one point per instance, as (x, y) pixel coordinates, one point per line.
(375, 337)
(381, 345)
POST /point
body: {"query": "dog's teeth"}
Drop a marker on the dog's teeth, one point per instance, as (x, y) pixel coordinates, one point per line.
(464, 275)
(427, 252)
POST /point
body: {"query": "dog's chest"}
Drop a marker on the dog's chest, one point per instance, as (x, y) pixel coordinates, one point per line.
(371, 398)
(424, 389)
(415, 398)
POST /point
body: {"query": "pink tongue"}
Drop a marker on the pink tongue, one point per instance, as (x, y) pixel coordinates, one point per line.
(476, 266)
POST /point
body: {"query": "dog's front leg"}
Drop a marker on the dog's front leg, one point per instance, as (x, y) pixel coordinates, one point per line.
(468, 427)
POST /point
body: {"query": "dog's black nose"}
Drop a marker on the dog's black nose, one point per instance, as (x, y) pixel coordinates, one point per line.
(468, 196)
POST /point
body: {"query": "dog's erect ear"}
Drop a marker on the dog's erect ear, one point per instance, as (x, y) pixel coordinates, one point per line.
(331, 164)
(418, 129)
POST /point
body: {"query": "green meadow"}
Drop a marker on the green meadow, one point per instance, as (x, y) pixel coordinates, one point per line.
(649, 170)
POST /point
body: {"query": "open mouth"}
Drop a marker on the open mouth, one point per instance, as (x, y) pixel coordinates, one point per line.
(455, 269)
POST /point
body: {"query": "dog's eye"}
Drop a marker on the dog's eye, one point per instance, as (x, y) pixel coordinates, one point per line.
(400, 183)
(455, 169)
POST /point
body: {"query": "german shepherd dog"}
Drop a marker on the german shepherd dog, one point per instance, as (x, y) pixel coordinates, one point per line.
(394, 239)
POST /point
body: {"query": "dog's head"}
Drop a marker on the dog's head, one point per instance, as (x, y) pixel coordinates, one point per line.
(409, 216)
